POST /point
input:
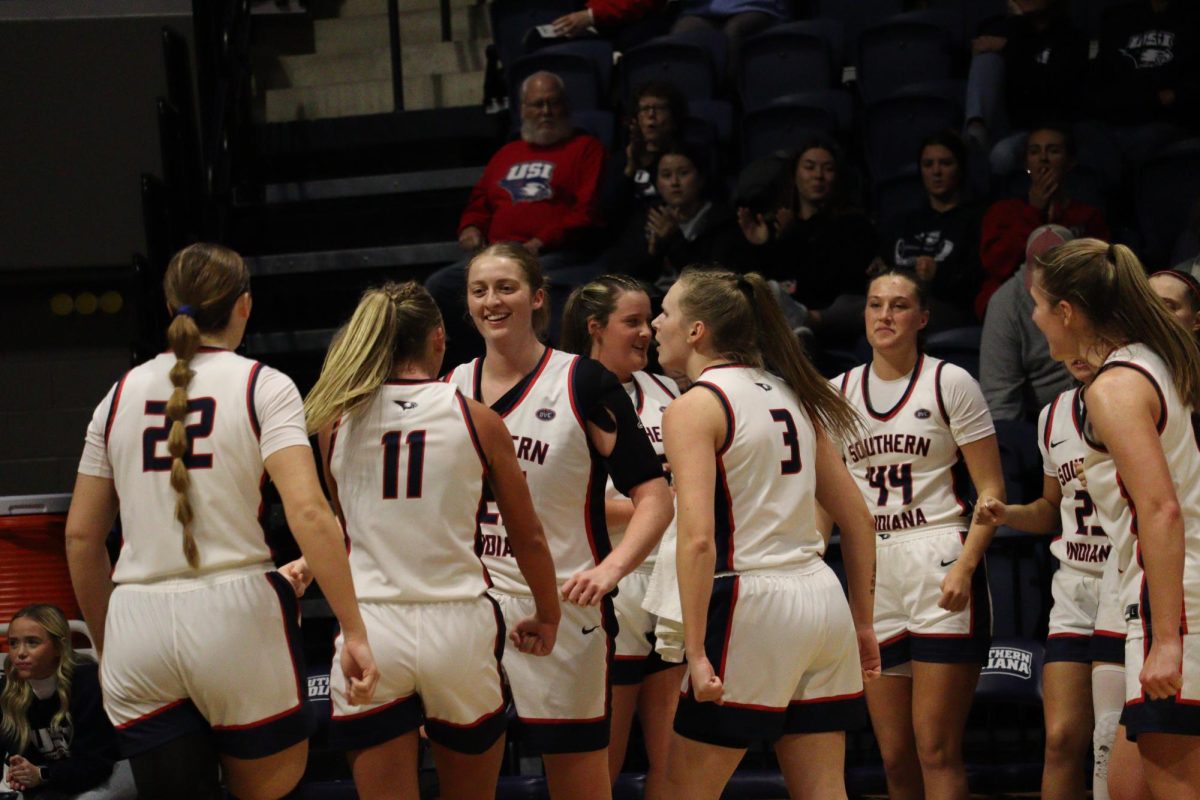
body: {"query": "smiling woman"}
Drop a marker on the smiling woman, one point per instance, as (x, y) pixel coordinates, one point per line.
(54, 735)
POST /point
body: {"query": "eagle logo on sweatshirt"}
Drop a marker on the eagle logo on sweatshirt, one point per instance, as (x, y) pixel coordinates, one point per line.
(529, 181)
(1150, 49)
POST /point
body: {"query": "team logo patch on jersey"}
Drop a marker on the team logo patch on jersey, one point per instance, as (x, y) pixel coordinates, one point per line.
(764, 386)
(545, 414)
(1012, 661)
(405, 405)
(529, 181)
(921, 413)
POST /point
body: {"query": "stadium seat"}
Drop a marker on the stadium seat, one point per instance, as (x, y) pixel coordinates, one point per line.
(717, 114)
(686, 63)
(785, 60)
(512, 19)
(598, 122)
(1168, 186)
(958, 346)
(895, 126)
(1009, 697)
(579, 75)
(781, 126)
(854, 16)
(898, 53)
(899, 194)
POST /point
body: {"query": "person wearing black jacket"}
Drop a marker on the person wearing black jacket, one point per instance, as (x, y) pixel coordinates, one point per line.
(1147, 80)
(687, 228)
(56, 740)
(940, 240)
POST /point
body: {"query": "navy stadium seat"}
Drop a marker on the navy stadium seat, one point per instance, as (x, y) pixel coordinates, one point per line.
(958, 346)
(578, 73)
(896, 125)
(1168, 186)
(899, 194)
(512, 20)
(784, 60)
(854, 16)
(598, 122)
(781, 126)
(898, 53)
(686, 63)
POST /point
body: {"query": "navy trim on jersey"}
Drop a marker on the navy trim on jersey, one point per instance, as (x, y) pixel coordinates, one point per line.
(721, 605)
(376, 725)
(845, 380)
(671, 392)
(724, 524)
(730, 422)
(1162, 399)
(912, 383)
(163, 725)
(411, 381)
(641, 398)
(1161, 716)
(251, 386)
(1077, 410)
(1072, 647)
(508, 402)
(1107, 647)
(466, 412)
(1048, 428)
(594, 520)
(112, 408)
(632, 670)
(895, 651)
(937, 393)
(968, 648)
(825, 714)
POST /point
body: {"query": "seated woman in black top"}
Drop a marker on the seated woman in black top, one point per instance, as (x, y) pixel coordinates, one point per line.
(687, 228)
(940, 240)
(54, 735)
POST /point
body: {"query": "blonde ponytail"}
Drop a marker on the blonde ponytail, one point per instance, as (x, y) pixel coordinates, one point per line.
(390, 326)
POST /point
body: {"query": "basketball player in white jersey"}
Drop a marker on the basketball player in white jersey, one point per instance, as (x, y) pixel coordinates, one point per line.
(407, 457)
(774, 651)
(572, 424)
(200, 638)
(1092, 301)
(924, 419)
(608, 319)
(1076, 636)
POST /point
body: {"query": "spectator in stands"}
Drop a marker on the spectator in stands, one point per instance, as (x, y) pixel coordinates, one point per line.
(737, 19)
(626, 22)
(816, 245)
(630, 179)
(1031, 64)
(940, 240)
(1016, 372)
(1186, 253)
(1180, 292)
(540, 191)
(688, 227)
(1049, 156)
(1147, 80)
(54, 734)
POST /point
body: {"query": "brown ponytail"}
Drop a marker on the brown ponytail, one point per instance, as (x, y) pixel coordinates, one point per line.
(596, 299)
(202, 284)
(1108, 284)
(748, 327)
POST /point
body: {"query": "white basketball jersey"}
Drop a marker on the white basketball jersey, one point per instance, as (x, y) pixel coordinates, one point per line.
(906, 463)
(231, 411)
(764, 506)
(410, 475)
(1178, 435)
(1083, 544)
(565, 479)
(651, 394)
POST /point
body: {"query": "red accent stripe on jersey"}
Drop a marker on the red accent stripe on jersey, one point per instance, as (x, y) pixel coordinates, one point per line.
(727, 407)
(894, 639)
(414, 382)
(725, 366)
(466, 412)
(908, 390)
(1046, 431)
(112, 408)
(753, 707)
(641, 397)
(1162, 400)
(737, 585)
(466, 725)
(671, 392)
(251, 385)
(570, 393)
(846, 380)
(831, 699)
(154, 713)
(372, 711)
(572, 721)
(260, 722)
(937, 392)
(1069, 636)
(1076, 406)
(1108, 634)
(300, 692)
(537, 373)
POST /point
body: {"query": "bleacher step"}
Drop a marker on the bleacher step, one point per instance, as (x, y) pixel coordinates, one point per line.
(348, 260)
(364, 8)
(321, 69)
(360, 98)
(372, 185)
(356, 34)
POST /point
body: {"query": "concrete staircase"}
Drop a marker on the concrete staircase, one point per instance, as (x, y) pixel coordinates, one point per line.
(334, 60)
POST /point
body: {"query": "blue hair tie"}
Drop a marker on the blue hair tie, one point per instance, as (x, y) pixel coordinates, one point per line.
(186, 311)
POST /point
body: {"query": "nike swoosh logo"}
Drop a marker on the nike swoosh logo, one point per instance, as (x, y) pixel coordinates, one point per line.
(1056, 444)
(948, 563)
(586, 631)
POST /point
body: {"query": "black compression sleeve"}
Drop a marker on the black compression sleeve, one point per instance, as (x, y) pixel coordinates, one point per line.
(603, 401)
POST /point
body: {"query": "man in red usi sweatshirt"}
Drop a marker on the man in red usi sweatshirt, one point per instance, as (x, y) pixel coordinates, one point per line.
(541, 189)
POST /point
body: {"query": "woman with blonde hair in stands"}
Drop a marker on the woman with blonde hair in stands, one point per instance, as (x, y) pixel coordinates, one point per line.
(1093, 302)
(608, 319)
(574, 426)
(774, 651)
(385, 420)
(199, 633)
(54, 736)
